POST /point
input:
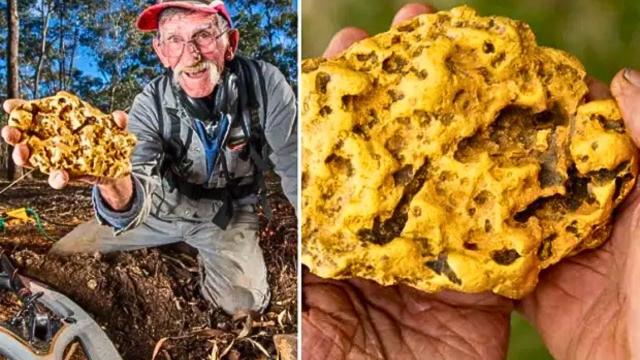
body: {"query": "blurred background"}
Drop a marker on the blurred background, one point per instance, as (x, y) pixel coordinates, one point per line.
(603, 34)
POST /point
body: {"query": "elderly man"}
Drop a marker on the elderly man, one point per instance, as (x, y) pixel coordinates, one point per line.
(206, 130)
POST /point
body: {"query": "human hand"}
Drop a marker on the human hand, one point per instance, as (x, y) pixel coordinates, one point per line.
(58, 179)
(586, 306)
(360, 319)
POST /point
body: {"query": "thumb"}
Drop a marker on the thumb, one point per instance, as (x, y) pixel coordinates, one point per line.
(411, 10)
(121, 118)
(342, 40)
(58, 179)
(625, 88)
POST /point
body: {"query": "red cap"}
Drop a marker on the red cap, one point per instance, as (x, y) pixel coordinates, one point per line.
(148, 19)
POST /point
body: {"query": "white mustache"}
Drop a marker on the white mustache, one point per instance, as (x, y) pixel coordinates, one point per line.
(195, 68)
(203, 65)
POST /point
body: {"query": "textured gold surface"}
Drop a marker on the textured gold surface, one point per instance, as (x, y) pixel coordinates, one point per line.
(454, 153)
(66, 133)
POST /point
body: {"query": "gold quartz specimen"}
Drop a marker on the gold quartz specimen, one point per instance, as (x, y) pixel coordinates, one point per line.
(452, 152)
(66, 133)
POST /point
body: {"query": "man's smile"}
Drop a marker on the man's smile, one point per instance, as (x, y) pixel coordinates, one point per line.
(198, 80)
(195, 71)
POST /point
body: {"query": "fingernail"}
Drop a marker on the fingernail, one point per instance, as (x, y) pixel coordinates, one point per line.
(632, 76)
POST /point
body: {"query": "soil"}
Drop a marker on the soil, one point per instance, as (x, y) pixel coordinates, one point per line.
(149, 299)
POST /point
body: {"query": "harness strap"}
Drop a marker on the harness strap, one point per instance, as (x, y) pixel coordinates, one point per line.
(226, 195)
(195, 192)
(162, 165)
(176, 161)
(258, 146)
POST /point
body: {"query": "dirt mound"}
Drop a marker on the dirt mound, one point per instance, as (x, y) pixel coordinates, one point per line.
(148, 296)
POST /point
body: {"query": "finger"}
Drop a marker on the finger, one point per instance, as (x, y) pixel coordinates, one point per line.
(20, 155)
(11, 135)
(11, 104)
(343, 39)
(597, 89)
(58, 179)
(308, 277)
(625, 88)
(411, 10)
(121, 118)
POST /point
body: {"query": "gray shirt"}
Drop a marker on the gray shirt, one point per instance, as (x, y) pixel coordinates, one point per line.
(153, 195)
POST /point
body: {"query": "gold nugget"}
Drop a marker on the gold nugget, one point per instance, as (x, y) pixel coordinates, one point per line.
(452, 152)
(66, 133)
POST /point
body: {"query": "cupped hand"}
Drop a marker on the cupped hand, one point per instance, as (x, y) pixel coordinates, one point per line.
(360, 319)
(58, 179)
(587, 306)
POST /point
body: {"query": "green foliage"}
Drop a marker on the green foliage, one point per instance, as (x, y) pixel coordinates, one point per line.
(524, 343)
(268, 31)
(124, 56)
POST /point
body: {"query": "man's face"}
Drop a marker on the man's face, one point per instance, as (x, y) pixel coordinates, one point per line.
(196, 68)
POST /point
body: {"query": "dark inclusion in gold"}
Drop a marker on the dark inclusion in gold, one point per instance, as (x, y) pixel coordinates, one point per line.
(453, 152)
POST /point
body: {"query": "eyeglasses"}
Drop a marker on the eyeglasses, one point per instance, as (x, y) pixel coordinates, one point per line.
(203, 40)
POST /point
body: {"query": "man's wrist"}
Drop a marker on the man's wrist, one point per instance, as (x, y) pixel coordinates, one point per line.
(117, 194)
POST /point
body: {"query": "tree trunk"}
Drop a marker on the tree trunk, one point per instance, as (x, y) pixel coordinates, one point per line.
(61, 82)
(43, 47)
(112, 95)
(8, 169)
(72, 61)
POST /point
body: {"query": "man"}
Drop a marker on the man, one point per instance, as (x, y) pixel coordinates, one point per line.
(206, 129)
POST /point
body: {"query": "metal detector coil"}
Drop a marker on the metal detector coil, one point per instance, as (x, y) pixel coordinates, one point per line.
(48, 323)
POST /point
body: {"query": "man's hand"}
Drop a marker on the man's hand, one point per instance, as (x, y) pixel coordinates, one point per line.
(347, 36)
(587, 306)
(117, 192)
(361, 319)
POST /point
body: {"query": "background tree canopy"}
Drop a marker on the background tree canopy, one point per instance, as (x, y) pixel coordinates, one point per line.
(92, 48)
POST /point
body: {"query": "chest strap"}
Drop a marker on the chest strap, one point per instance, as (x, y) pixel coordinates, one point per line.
(226, 195)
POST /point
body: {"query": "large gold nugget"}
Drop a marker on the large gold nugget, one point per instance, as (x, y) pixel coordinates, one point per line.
(66, 133)
(454, 153)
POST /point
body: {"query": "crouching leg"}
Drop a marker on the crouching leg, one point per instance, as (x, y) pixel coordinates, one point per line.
(90, 237)
(234, 275)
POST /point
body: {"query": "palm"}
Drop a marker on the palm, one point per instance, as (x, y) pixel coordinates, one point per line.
(360, 319)
(583, 306)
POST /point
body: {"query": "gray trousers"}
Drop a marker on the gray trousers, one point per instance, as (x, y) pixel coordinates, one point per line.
(232, 268)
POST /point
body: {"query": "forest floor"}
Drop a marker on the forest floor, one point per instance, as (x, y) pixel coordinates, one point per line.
(148, 300)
